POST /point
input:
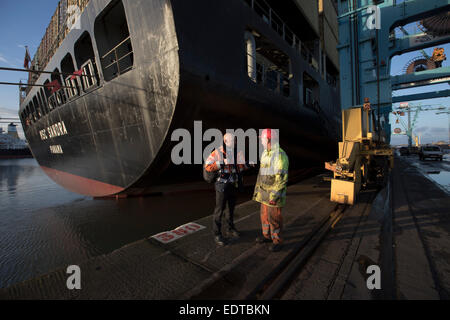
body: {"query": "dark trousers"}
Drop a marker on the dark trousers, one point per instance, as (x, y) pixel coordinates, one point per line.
(225, 193)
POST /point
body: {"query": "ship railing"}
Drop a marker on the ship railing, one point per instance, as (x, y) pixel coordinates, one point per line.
(52, 102)
(88, 80)
(263, 9)
(56, 99)
(117, 55)
(60, 97)
(72, 87)
(89, 77)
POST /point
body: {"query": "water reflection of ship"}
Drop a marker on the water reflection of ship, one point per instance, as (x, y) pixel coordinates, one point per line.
(11, 146)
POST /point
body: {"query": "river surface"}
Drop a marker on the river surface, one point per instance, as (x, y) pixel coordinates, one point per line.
(44, 227)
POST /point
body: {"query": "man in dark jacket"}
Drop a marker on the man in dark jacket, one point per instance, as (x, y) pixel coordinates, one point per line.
(226, 186)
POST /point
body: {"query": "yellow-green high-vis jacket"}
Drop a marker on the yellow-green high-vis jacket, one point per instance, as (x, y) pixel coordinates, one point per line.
(272, 177)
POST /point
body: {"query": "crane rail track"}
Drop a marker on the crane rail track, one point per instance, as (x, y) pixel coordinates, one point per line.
(273, 286)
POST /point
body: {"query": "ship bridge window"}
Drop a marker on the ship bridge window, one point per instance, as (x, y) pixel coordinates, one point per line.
(311, 92)
(32, 113)
(28, 114)
(50, 97)
(113, 41)
(43, 100)
(266, 64)
(72, 84)
(58, 97)
(332, 74)
(85, 58)
(36, 109)
(25, 118)
(38, 106)
(47, 91)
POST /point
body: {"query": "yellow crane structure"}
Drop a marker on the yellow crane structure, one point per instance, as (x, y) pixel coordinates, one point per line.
(364, 156)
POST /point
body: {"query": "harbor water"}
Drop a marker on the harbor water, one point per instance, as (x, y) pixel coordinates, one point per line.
(44, 227)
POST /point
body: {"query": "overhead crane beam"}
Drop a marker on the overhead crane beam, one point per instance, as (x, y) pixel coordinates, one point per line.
(416, 42)
(422, 78)
(422, 96)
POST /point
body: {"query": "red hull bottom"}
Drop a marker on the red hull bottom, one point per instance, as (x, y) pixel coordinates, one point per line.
(82, 185)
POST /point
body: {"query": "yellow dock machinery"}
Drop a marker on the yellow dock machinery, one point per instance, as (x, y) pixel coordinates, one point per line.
(364, 158)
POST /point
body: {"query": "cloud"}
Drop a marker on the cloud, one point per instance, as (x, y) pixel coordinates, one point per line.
(8, 112)
(422, 129)
(30, 48)
(6, 61)
(427, 135)
(3, 59)
(438, 131)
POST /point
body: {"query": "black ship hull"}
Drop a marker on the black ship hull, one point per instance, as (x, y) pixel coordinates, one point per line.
(116, 137)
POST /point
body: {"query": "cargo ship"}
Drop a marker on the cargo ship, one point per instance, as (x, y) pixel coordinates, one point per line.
(133, 71)
(11, 146)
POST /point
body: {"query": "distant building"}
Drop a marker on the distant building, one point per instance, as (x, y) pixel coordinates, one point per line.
(12, 130)
(443, 144)
(10, 140)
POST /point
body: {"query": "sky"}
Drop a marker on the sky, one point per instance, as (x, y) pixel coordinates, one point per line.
(23, 22)
(430, 127)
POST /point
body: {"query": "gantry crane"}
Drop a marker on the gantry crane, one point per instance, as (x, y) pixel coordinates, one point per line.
(408, 128)
(365, 50)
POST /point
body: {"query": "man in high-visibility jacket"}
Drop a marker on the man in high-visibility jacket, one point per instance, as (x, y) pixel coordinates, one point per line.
(270, 189)
(226, 185)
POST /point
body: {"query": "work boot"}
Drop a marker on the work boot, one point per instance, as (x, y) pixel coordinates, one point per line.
(219, 240)
(262, 240)
(233, 233)
(275, 247)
